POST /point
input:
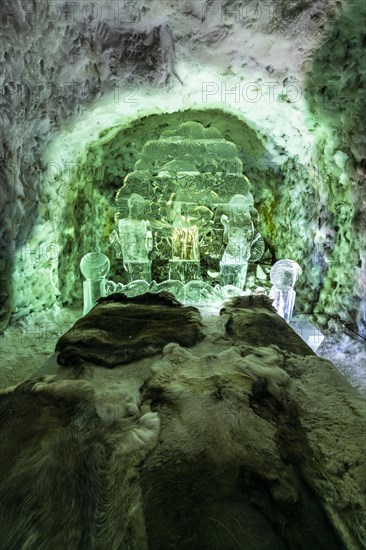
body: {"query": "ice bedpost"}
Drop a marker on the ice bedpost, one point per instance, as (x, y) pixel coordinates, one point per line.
(283, 278)
(134, 237)
(243, 243)
(94, 266)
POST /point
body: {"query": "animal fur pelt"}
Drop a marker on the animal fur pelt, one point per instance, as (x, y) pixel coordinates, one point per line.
(119, 330)
(160, 298)
(253, 320)
(258, 449)
(247, 448)
(250, 301)
(68, 470)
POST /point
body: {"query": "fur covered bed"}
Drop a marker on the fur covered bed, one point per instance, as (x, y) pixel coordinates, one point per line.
(230, 444)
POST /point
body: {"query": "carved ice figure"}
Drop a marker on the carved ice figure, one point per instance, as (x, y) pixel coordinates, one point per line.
(134, 238)
(94, 266)
(243, 242)
(283, 278)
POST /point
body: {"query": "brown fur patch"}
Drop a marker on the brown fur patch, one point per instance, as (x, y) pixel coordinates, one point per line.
(245, 458)
(119, 332)
(258, 448)
(68, 476)
(234, 466)
(253, 300)
(258, 325)
(160, 298)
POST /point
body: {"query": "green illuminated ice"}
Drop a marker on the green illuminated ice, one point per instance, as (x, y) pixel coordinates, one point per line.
(133, 240)
(243, 243)
(197, 201)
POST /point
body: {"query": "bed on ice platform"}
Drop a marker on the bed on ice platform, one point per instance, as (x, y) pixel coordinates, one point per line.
(162, 429)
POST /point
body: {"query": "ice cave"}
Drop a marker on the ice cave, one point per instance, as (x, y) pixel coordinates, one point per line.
(183, 275)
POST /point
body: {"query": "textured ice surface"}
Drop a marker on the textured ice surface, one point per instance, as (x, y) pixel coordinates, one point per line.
(189, 185)
(194, 292)
(94, 266)
(133, 239)
(284, 274)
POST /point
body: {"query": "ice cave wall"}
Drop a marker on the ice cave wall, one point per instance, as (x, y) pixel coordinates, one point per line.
(84, 86)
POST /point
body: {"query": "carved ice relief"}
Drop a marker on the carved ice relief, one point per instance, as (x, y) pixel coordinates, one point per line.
(191, 179)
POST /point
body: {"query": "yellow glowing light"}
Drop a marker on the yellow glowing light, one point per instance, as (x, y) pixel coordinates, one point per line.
(185, 243)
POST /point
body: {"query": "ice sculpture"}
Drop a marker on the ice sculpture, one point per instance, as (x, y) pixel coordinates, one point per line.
(134, 240)
(242, 242)
(95, 267)
(184, 264)
(283, 278)
(195, 171)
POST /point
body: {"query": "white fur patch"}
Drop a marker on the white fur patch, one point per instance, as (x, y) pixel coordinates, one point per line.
(264, 369)
(147, 431)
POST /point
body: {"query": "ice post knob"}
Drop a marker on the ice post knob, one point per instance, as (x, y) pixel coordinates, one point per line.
(94, 266)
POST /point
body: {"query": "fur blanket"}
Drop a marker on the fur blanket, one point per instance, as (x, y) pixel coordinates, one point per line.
(119, 330)
(69, 470)
(258, 450)
(253, 320)
(220, 447)
(246, 448)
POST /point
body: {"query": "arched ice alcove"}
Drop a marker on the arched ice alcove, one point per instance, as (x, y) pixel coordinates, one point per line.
(87, 163)
(268, 82)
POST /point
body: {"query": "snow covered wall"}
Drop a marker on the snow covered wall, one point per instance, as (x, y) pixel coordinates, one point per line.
(84, 85)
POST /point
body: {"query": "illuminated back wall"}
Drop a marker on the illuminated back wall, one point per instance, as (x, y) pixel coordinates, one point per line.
(82, 94)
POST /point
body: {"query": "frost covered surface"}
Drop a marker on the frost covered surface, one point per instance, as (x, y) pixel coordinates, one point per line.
(28, 343)
(348, 355)
(83, 90)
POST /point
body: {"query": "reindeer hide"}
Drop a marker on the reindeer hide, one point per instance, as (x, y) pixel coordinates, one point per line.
(119, 330)
(69, 470)
(234, 444)
(258, 450)
(253, 320)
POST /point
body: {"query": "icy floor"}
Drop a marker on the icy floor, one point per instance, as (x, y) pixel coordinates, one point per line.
(26, 346)
(348, 354)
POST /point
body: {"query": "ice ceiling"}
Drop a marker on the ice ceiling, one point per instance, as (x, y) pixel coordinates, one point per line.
(84, 89)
